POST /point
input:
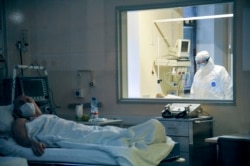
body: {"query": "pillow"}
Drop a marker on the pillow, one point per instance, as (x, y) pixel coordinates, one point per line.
(6, 118)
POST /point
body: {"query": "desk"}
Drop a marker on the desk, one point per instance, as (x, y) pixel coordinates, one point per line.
(113, 122)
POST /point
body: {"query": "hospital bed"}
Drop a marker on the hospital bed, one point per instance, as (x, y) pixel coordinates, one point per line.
(60, 156)
(65, 156)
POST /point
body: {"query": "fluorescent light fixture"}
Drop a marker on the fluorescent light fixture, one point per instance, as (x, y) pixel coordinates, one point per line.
(195, 18)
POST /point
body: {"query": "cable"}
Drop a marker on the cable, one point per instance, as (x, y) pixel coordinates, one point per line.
(52, 99)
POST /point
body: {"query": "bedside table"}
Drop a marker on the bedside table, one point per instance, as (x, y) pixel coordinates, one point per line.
(191, 133)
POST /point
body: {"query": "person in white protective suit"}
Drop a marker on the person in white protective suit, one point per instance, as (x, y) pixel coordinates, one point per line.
(210, 81)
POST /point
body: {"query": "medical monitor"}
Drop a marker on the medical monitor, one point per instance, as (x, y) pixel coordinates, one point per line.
(182, 48)
(35, 87)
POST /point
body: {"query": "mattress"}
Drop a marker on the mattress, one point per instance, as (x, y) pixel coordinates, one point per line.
(8, 147)
(11, 161)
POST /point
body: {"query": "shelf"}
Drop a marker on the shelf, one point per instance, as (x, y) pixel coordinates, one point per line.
(172, 62)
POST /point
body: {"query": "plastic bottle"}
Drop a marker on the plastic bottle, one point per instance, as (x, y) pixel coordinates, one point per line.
(94, 108)
(79, 112)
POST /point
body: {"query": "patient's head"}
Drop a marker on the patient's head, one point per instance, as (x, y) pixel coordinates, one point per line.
(25, 107)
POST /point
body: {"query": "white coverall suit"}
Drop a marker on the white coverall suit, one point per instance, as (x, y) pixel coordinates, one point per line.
(212, 82)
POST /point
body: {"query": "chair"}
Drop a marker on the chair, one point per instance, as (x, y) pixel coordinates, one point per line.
(233, 151)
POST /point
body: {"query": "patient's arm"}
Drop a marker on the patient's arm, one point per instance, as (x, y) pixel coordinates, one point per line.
(21, 137)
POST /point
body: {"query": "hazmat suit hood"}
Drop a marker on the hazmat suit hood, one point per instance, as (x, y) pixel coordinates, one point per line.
(202, 56)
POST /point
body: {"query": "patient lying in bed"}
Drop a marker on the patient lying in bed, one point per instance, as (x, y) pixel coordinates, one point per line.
(32, 129)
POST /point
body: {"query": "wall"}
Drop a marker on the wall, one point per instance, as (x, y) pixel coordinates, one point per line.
(67, 35)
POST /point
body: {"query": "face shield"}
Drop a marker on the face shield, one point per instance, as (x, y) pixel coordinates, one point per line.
(202, 63)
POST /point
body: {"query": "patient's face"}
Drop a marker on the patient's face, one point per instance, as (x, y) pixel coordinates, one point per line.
(20, 101)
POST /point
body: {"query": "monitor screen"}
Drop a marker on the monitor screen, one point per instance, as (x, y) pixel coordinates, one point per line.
(33, 87)
(184, 46)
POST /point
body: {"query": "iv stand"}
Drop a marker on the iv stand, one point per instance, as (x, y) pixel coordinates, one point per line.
(21, 46)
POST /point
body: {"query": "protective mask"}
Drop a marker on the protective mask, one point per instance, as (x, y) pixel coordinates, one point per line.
(28, 109)
(202, 65)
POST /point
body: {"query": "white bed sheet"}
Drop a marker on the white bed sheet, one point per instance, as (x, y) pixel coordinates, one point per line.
(143, 144)
(8, 147)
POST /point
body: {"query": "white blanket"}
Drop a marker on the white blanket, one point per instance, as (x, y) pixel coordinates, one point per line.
(143, 144)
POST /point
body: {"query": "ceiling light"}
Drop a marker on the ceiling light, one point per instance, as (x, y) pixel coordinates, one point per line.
(194, 18)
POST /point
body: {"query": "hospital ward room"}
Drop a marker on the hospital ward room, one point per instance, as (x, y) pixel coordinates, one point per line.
(124, 83)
